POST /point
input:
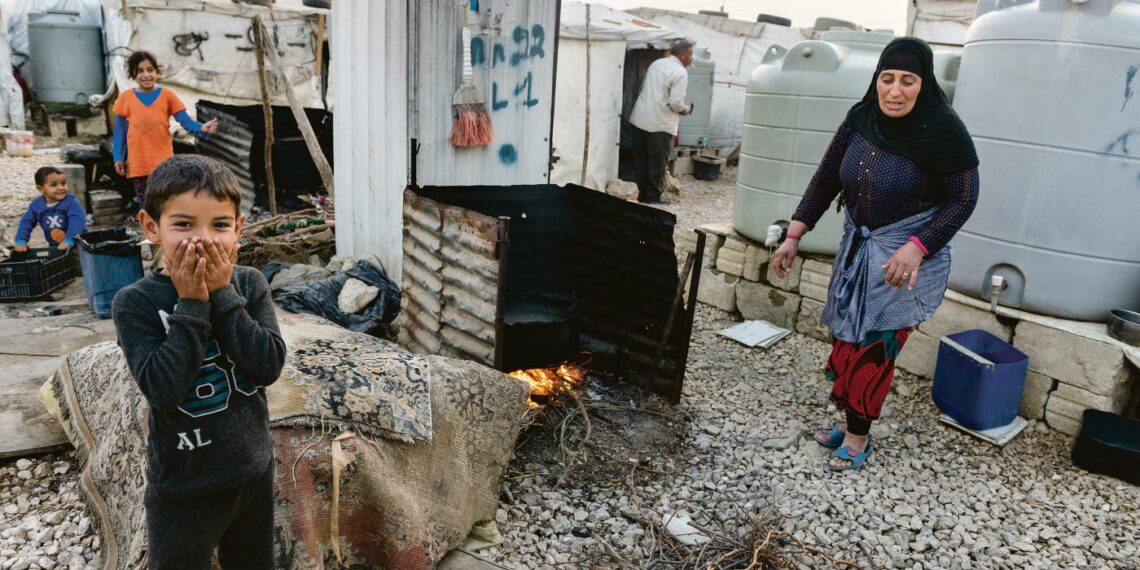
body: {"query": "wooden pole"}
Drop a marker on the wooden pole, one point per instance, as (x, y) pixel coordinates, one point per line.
(267, 115)
(295, 106)
(586, 138)
(320, 42)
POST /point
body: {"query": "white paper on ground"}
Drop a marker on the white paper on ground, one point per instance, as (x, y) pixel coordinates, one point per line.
(1000, 435)
(755, 333)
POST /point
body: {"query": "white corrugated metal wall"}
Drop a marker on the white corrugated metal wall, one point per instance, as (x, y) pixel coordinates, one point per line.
(513, 52)
(370, 121)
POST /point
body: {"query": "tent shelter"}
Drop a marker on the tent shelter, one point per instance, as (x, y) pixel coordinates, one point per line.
(737, 48)
(598, 43)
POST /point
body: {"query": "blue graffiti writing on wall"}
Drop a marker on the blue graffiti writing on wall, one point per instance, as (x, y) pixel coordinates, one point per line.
(525, 85)
(538, 45)
(528, 45)
(508, 154)
(478, 51)
(496, 103)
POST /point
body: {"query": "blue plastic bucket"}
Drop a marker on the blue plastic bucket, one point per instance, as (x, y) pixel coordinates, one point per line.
(979, 379)
(110, 260)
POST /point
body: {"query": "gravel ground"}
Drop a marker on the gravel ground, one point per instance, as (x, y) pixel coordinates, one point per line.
(929, 497)
(18, 185)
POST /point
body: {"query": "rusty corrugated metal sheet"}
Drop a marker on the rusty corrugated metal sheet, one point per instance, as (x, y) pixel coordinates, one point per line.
(616, 257)
(451, 275)
(231, 145)
(513, 54)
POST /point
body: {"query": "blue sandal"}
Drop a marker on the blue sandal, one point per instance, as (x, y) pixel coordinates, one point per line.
(856, 458)
(834, 437)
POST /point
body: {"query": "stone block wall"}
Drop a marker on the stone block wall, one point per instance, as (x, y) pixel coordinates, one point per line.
(1072, 366)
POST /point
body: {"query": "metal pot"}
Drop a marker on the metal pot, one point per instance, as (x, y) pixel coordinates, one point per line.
(540, 330)
(1124, 326)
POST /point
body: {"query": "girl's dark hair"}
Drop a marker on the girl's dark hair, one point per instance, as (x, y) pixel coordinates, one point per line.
(136, 60)
(43, 173)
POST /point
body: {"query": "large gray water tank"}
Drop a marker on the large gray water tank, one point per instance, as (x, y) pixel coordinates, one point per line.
(694, 128)
(66, 57)
(1049, 92)
(796, 100)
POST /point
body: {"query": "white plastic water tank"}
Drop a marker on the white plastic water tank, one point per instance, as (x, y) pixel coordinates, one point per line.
(694, 128)
(66, 57)
(797, 98)
(1050, 91)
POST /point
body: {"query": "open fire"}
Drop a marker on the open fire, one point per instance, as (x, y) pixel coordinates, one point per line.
(549, 383)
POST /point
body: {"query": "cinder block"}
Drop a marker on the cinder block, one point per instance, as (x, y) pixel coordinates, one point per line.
(919, 355)
(731, 257)
(682, 165)
(791, 281)
(76, 182)
(953, 317)
(757, 301)
(1037, 389)
(814, 279)
(755, 261)
(1092, 365)
(1063, 424)
(808, 320)
(724, 229)
(1086, 399)
(717, 289)
(687, 242)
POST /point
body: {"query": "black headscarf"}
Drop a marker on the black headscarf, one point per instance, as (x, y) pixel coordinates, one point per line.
(931, 135)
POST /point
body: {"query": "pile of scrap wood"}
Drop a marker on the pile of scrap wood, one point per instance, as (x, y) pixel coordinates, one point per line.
(293, 237)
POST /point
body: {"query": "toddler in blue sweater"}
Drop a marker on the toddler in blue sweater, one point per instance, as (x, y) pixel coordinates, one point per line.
(56, 211)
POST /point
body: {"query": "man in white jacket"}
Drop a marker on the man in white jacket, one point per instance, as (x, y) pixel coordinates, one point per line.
(655, 117)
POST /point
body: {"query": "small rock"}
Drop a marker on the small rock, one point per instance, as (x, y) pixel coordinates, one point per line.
(23, 465)
(622, 189)
(355, 295)
(25, 474)
(911, 441)
(581, 515)
(905, 510)
(780, 443)
(1102, 551)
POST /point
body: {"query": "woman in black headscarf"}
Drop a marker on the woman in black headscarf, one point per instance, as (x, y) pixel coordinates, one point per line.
(904, 166)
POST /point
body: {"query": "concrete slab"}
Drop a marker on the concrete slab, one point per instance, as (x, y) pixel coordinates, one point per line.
(33, 349)
(462, 560)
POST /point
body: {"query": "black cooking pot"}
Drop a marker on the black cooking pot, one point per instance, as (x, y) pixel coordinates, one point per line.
(540, 330)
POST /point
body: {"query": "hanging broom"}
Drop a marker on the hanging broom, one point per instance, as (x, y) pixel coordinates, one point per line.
(472, 124)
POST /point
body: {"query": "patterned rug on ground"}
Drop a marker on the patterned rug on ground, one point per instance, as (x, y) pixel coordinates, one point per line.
(394, 484)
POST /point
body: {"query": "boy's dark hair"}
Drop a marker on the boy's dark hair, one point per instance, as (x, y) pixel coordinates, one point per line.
(136, 60)
(190, 173)
(43, 173)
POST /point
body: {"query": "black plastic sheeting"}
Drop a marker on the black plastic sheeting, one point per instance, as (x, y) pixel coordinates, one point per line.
(616, 258)
(320, 298)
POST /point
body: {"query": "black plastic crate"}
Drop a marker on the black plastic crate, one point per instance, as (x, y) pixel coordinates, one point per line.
(35, 273)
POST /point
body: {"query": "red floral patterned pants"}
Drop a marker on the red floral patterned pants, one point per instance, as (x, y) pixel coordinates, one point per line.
(863, 372)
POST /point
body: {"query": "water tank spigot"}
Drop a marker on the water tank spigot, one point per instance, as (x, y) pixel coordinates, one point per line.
(997, 285)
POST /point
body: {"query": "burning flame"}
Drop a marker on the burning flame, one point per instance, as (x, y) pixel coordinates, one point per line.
(550, 382)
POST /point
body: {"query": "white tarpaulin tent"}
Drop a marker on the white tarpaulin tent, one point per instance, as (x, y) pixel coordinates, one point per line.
(217, 65)
(16, 21)
(222, 67)
(611, 33)
(11, 96)
(737, 48)
(941, 22)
